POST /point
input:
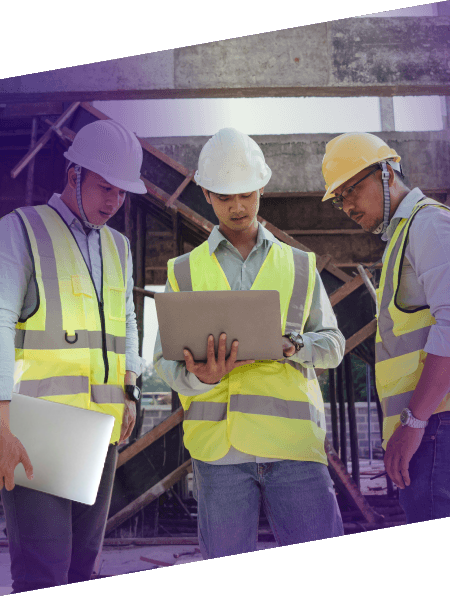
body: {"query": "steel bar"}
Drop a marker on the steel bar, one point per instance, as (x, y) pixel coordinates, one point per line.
(352, 426)
(342, 417)
(43, 140)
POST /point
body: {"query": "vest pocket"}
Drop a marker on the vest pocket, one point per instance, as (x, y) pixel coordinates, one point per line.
(81, 285)
(117, 304)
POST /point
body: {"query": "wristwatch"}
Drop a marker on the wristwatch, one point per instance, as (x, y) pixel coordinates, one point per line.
(133, 392)
(407, 419)
(296, 339)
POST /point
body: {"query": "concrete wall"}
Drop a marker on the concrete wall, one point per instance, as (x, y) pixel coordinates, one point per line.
(296, 160)
(358, 56)
(156, 414)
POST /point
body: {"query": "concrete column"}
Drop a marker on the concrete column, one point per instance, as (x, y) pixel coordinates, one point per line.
(387, 114)
(445, 110)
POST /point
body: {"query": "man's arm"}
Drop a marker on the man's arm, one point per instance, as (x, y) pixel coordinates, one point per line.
(324, 343)
(133, 360)
(428, 253)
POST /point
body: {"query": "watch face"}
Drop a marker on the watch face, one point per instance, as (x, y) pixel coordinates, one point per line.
(404, 416)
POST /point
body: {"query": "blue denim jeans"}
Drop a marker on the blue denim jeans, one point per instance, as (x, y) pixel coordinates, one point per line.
(298, 499)
(54, 541)
(428, 495)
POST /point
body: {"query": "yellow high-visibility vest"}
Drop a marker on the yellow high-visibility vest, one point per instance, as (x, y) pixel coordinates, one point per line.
(270, 408)
(401, 334)
(71, 349)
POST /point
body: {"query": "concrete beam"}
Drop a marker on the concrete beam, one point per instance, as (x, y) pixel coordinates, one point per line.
(296, 160)
(350, 57)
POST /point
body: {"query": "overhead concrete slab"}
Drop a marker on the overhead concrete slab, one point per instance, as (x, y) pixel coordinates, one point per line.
(350, 57)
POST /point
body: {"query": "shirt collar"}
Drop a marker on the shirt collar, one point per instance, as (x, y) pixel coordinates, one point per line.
(216, 238)
(67, 215)
(403, 211)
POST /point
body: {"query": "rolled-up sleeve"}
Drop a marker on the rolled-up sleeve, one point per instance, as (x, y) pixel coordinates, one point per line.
(174, 373)
(428, 252)
(324, 343)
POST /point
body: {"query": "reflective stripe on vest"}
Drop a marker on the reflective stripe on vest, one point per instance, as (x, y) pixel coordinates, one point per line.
(278, 409)
(65, 334)
(401, 334)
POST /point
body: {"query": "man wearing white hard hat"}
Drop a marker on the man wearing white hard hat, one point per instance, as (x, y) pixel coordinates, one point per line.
(363, 177)
(255, 430)
(64, 269)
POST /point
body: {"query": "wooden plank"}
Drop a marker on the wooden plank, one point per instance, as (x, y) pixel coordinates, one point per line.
(346, 289)
(322, 262)
(28, 110)
(43, 140)
(150, 495)
(180, 189)
(342, 231)
(145, 292)
(158, 431)
(350, 487)
(361, 335)
(145, 144)
(292, 242)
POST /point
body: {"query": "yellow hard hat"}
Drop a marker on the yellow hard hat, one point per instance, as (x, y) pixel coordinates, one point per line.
(350, 153)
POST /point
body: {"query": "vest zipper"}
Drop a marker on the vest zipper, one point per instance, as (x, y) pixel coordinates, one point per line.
(104, 351)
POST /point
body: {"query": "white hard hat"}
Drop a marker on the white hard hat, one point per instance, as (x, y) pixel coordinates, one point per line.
(232, 163)
(110, 150)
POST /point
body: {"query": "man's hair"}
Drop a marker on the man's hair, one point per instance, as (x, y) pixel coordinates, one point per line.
(83, 172)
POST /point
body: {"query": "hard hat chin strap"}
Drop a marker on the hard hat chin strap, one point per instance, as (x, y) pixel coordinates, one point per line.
(386, 202)
(86, 222)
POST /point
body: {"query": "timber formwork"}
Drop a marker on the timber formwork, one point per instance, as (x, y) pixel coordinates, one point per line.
(174, 213)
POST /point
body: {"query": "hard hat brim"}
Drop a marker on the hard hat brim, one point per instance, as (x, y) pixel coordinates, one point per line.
(134, 186)
(337, 183)
(232, 187)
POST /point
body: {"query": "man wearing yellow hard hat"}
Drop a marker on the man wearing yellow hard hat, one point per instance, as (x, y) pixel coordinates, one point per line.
(255, 432)
(363, 177)
(64, 269)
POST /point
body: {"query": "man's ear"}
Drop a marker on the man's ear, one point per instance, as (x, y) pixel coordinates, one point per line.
(72, 178)
(391, 174)
(206, 193)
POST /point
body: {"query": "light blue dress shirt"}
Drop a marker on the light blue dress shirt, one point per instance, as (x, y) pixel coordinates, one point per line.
(425, 275)
(18, 295)
(324, 343)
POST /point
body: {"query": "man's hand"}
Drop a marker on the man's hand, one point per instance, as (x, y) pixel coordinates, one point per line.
(288, 347)
(12, 453)
(128, 421)
(400, 448)
(213, 369)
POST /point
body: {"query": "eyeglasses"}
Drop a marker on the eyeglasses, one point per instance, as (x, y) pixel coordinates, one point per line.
(338, 200)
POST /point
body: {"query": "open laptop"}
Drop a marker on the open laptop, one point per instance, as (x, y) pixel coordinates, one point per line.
(67, 446)
(252, 317)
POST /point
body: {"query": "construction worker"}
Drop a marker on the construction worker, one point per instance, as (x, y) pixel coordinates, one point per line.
(66, 302)
(364, 178)
(255, 432)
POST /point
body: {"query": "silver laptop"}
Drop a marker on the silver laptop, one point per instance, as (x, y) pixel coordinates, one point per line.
(67, 446)
(252, 317)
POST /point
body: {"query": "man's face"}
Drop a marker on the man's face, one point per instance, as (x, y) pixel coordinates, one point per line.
(364, 204)
(100, 199)
(236, 212)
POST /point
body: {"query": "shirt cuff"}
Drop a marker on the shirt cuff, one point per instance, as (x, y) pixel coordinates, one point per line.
(438, 342)
(134, 364)
(194, 382)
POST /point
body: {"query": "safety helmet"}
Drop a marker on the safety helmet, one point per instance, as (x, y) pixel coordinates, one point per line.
(232, 163)
(350, 153)
(111, 151)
